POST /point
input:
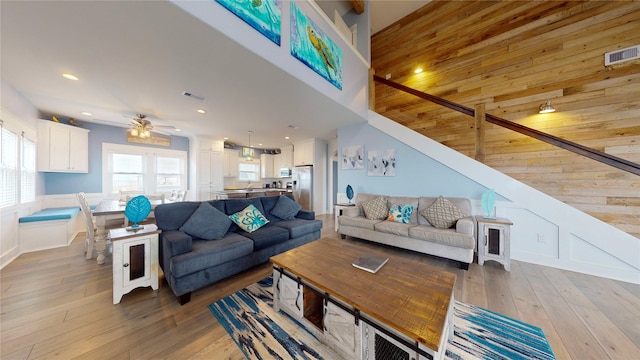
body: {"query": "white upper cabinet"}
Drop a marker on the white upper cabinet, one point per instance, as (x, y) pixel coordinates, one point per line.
(303, 152)
(62, 148)
(266, 166)
(231, 161)
(286, 157)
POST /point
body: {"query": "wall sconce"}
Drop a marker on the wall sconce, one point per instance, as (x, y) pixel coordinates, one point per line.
(546, 107)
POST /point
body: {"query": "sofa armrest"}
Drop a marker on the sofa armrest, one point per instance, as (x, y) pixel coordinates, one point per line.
(466, 225)
(306, 215)
(176, 242)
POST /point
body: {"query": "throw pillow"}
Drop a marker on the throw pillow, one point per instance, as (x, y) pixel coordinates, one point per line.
(286, 209)
(400, 213)
(249, 219)
(207, 223)
(375, 209)
(442, 214)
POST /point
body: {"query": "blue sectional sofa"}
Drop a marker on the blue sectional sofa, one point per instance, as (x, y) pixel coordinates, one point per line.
(200, 244)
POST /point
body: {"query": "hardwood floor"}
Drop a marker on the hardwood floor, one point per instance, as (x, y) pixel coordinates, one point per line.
(55, 304)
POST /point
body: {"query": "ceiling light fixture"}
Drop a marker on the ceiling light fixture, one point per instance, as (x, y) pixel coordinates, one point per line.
(417, 71)
(546, 107)
(70, 77)
(286, 138)
(201, 111)
(86, 113)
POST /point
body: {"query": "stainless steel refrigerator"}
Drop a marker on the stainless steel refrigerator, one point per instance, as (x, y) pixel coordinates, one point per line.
(302, 187)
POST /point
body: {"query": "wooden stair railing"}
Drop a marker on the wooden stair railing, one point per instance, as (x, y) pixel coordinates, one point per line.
(597, 155)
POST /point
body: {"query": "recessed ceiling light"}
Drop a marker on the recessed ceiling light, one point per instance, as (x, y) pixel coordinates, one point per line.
(201, 111)
(286, 138)
(225, 138)
(87, 113)
(259, 144)
(70, 76)
(178, 129)
(417, 71)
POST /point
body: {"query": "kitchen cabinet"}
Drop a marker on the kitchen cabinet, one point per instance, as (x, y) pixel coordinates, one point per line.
(303, 152)
(62, 148)
(286, 157)
(231, 161)
(209, 173)
(267, 165)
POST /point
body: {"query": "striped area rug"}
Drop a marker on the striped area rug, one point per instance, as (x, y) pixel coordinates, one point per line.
(262, 333)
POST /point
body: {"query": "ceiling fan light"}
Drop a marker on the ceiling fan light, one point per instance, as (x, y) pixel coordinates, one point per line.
(546, 107)
(134, 132)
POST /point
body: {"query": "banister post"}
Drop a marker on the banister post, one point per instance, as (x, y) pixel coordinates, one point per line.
(480, 127)
(372, 90)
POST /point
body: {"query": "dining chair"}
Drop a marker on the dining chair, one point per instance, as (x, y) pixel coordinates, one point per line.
(182, 194)
(173, 195)
(88, 219)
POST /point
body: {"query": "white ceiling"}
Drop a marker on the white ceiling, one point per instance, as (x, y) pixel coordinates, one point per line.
(139, 56)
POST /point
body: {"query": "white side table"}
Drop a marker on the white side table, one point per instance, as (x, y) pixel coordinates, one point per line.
(338, 211)
(135, 259)
(494, 240)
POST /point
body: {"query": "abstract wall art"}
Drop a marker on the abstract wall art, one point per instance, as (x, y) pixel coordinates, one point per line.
(263, 15)
(352, 157)
(381, 162)
(314, 48)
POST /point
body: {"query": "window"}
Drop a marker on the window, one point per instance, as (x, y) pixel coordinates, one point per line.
(17, 167)
(142, 169)
(28, 171)
(248, 171)
(9, 167)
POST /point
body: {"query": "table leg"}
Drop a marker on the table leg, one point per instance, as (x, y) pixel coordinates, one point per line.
(101, 237)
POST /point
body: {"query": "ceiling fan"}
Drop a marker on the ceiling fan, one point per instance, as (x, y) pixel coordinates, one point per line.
(141, 127)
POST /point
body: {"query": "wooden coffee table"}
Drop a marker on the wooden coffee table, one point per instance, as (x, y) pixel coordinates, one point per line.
(407, 303)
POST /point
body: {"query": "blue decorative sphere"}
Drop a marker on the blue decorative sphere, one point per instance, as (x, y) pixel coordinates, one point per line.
(137, 209)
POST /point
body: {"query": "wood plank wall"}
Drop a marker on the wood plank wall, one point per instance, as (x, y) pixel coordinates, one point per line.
(511, 57)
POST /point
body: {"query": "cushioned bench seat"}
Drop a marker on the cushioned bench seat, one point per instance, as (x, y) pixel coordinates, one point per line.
(51, 214)
(49, 228)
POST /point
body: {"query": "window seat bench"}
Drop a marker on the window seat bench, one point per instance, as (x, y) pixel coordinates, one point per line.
(49, 228)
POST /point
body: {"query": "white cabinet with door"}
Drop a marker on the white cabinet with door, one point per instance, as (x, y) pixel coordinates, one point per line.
(341, 331)
(135, 259)
(231, 161)
(209, 172)
(62, 148)
(303, 152)
(289, 295)
(267, 164)
(286, 157)
(494, 241)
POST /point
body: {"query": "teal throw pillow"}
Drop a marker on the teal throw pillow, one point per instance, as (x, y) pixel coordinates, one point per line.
(207, 223)
(249, 219)
(286, 209)
(400, 213)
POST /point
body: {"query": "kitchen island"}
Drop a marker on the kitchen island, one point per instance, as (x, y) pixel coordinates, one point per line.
(248, 193)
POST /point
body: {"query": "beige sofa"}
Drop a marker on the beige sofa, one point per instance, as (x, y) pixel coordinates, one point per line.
(456, 243)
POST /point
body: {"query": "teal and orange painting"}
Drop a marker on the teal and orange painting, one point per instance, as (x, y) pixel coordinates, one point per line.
(263, 15)
(310, 45)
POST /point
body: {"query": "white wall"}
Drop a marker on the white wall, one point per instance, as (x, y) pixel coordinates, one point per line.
(545, 231)
(19, 115)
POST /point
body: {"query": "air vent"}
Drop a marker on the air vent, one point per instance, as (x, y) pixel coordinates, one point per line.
(619, 56)
(193, 96)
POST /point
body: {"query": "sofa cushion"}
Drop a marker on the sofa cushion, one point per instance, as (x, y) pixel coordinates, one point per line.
(442, 214)
(406, 200)
(375, 209)
(299, 227)
(266, 236)
(358, 222)
(394, 228)
(400, 213)
(249, 219)
(207, 223)
(206, 254)
(442, 236)
(286, 209)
